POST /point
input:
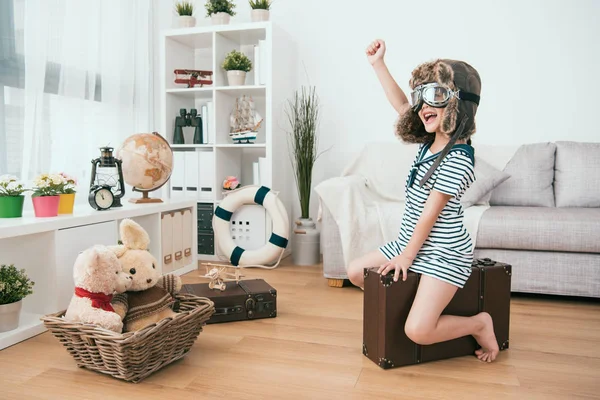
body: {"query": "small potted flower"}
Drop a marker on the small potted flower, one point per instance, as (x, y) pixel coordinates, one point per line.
(237, 64)
(260, 10)
(220, 11)
(14, 287)
(45, 195)
(231, 183)
(185, 10)
(11, 197)
(67, 194)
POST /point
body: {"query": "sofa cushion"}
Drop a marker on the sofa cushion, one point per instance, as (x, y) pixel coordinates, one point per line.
(531, 173)
(577, 174)
(540, 228)
(487, 178)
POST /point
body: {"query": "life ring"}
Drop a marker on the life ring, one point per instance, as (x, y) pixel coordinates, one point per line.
(278, 241)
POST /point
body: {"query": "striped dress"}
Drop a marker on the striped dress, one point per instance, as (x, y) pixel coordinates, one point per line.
(448, 251)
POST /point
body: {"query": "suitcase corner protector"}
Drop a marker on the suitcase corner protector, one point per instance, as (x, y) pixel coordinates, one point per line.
(364, 350)
(385, 363)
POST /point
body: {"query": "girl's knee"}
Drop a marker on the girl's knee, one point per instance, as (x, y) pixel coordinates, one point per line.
(355, 273)
(417, 331)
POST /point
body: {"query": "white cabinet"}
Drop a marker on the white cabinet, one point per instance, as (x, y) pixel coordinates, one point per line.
(202, 167)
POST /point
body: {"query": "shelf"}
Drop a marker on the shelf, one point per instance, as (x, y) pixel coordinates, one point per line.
(251, 90)
(195, 92)
(29, 325)
(191, 146)
(242, 145)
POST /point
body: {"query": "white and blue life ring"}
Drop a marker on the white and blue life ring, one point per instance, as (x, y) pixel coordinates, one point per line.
(278, 241)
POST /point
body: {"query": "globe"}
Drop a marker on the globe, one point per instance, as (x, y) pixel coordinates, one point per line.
(147, 163)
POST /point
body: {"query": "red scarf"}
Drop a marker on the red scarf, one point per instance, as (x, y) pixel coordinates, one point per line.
(99, 300)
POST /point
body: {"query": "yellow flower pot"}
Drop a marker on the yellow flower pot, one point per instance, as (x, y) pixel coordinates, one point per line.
(65, 205)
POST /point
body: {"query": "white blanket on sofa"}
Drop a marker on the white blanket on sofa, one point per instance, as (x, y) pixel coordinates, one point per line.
(367, 201)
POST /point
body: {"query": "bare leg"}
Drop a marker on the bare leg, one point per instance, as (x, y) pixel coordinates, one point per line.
(356, 267)
(426, 325)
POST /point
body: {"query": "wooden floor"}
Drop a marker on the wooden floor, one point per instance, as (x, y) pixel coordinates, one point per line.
(312, 350)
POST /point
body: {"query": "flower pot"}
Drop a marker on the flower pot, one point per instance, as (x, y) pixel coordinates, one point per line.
(307, 243)
(9, 316)
(45, 206)
(259, 15)
(236, 78)
(186, 21)
(220, 18)
(11, 206)
(66, 203)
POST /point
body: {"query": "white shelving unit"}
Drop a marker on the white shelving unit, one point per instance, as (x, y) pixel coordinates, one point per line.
(205, 48)
(47, 248)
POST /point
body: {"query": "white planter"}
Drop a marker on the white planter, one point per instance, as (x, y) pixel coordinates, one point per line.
(259, 15)
(307, 243)
(220, 18)
(187, 21)
(236, 78)
(9, 316)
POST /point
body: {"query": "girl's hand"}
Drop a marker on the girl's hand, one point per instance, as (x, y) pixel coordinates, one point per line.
(398, 263)
(375, 51)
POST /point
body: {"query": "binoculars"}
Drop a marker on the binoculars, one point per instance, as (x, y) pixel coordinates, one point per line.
(186, 119)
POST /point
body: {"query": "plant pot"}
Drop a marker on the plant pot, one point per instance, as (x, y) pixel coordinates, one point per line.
(307, 243)
(10, 315)
(220, 18)
(260, 15)
(11, 206)
(236, 78)
(66, 203)
(186, 21)
(45, 206)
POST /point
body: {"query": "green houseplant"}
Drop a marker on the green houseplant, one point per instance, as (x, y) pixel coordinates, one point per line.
(15, 285)
(220, 11)
(303, 116)
(237, 64)
(260, 9)
(11, 197)
(185, 10)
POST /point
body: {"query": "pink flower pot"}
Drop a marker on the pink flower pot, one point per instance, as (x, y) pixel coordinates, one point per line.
(45, 206)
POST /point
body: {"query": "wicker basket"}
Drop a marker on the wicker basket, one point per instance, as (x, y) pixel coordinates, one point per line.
(133, 356)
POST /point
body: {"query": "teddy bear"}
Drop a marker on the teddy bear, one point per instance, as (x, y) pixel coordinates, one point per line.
(150, 296)
(98, 275)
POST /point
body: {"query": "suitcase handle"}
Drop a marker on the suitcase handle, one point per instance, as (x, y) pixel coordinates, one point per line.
(227, 310)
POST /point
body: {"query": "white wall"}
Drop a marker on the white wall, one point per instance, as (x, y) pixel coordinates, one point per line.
(538, 61)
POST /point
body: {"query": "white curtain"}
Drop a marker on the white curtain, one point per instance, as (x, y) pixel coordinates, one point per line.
(88, 81)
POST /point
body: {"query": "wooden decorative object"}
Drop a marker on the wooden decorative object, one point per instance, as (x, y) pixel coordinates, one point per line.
(192, 77)
(218, 275)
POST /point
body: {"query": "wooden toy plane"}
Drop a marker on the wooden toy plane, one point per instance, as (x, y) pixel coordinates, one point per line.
(193, 77)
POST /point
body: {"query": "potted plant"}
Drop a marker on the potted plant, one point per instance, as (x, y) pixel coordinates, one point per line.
(185, 10)
(14, 287)
(237, 64)
(260, 9)
(303, 116)
(66, 192)
(45, 195)
(11, 197)
(220, 11)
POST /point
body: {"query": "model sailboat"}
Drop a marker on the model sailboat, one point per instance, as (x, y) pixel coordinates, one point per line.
(244, 120)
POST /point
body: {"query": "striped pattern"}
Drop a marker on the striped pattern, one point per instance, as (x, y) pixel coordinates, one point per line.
(448, 251)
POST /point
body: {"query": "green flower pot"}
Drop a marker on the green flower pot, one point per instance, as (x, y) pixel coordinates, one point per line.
(11, 206)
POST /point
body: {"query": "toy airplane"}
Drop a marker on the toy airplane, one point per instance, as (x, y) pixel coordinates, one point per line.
(193, 77)
(218, 275)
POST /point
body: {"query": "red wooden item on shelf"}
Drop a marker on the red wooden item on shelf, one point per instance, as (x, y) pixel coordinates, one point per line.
(193, 77)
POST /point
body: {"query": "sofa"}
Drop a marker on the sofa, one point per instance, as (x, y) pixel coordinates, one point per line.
(535, 206)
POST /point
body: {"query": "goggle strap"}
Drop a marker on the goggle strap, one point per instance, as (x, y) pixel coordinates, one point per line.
(445, 150)
(469, 97)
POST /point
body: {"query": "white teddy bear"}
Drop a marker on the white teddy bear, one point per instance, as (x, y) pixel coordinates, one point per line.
(98, 276)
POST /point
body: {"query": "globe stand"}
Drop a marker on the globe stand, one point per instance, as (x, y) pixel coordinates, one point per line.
(145, 198)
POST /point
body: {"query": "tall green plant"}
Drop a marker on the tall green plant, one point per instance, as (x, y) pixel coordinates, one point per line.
(303, 116)
(260, 4)
(184, 8)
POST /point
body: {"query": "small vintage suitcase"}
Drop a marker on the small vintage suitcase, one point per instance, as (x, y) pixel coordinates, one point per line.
(248, 299)
(387, 304)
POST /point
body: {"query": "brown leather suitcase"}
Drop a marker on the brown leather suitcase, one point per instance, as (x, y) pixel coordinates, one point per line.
(387, 304)
(248, 299)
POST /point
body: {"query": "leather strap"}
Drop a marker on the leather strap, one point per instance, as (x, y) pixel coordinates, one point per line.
(445, 150)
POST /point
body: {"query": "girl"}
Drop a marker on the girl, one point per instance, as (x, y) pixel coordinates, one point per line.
(432, 240)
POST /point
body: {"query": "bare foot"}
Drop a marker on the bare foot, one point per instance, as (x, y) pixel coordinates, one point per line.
(486, 338)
